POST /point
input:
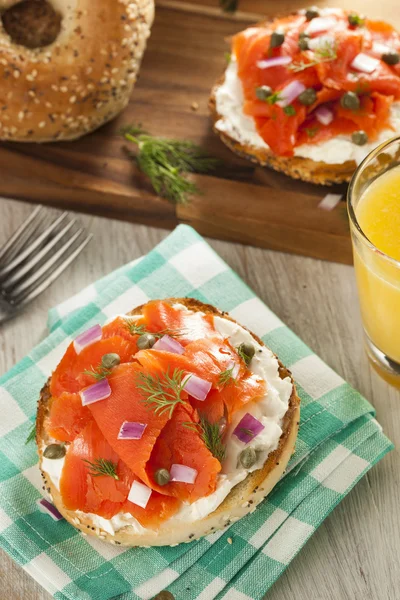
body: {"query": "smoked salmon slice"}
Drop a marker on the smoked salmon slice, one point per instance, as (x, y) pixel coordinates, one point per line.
(126, 404)
(70, 375)
(185, 326)
(104, 495)
(191, 452)
(122, 326)
(67, 417)
(82, 491)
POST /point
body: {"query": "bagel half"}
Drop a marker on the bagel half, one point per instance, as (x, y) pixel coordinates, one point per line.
(241, 500)
(83, 78)
(296, 167)
(330, 158)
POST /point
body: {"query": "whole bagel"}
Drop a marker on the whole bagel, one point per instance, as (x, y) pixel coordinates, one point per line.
(67, 66)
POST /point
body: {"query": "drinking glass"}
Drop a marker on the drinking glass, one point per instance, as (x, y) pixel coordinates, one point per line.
(377, 274)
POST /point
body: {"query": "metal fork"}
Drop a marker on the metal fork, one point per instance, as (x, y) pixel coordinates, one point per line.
(35, 255)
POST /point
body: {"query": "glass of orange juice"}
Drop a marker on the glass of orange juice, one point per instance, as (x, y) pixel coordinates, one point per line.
(373, 203)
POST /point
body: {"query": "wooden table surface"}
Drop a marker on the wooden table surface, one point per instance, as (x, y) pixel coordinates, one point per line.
(354, 554)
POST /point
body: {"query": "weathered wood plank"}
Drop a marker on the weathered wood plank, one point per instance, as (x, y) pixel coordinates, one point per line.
(184, 57)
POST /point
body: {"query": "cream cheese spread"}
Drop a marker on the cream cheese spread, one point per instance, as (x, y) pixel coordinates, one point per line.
(233, 122)
(270, 410)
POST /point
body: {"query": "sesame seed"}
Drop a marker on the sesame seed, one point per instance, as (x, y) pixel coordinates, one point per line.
(230, 541)
(72, 99)
(16, 74)
(20, 115)
(63, 89)
(42, 124)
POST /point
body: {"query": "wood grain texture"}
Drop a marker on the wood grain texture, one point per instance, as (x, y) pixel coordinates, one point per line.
(185, 56)
(354, 554)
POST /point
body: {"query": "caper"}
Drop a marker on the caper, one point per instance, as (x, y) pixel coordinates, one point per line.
(263, 92)
(391, 58)
(311, 13)
(246, 351)
(308, 97)
(303, 43)
(248, 457)
(147, 340)
(162, 476)
(350, 100)
(277, 39)
(110, 360)
(54, 451)
(359, 137)
(355, 20)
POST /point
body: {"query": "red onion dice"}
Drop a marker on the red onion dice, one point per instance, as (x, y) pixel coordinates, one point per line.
(378, 49)
(98, 391)
(183, 474)
(324, 115)
(131, 430)
(94, 334)
(196, 387)
(276, 61)
(364, 63)
(320, 24)
(290, 93)
(248, 428)
(168, 344)
(48, 508)
(139, 494)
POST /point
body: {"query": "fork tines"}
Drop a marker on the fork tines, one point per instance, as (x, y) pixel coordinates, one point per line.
(36, 254)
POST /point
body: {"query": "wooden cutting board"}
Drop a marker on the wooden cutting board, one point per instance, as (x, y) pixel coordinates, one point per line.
(240, 202)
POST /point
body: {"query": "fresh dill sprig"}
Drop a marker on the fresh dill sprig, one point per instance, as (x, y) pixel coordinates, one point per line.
(211, 435)
(99, 373)
(162, 393)
(102, 466)
(31, 435)
(324, 53)
(229, 5)
(273, 98)
(167, 162)
(289, 110)
(226, 377)
(141, 330)
(136, 329)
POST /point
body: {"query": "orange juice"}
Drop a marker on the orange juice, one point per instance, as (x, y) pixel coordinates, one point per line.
(378, 279)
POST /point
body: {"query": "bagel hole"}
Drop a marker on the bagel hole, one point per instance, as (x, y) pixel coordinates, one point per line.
(32, 23)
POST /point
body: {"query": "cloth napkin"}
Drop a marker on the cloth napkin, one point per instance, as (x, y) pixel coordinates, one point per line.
(339, 441)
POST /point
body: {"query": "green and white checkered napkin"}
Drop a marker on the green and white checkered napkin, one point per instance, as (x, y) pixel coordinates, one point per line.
(339, 441)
